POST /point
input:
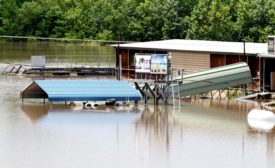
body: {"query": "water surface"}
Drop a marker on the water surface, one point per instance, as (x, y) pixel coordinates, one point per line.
(199, 133)
(58, 53)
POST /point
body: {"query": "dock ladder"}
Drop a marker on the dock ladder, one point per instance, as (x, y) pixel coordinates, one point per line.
(176, 92)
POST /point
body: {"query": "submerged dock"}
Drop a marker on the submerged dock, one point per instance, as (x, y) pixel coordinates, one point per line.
(117, 90)
(72, 71)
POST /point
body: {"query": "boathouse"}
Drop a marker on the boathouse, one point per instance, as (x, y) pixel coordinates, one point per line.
(198, 55)
(80, 90)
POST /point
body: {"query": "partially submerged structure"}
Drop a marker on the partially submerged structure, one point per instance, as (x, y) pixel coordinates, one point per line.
(205, 81)
(267, 68)
(80, 90)
(214, 79)
(116, 90)
(198, 55)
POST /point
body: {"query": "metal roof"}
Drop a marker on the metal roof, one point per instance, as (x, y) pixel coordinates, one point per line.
(214, 79)
(267, 55)
(199, 46)
(82, 90)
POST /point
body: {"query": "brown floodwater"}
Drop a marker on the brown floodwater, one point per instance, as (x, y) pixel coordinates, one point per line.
(199, 133)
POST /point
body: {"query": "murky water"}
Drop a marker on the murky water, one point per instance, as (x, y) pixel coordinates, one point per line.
(199, 133)
(58, 53)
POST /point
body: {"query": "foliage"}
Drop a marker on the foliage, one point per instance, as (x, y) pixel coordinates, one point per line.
(255, 20)
(139, 20)
(210, 20)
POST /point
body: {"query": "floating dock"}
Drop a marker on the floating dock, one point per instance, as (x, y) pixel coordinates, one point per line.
(262, 95)
(10, 68)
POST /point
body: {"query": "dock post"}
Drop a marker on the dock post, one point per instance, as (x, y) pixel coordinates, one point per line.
(244, 90)
(120, 67)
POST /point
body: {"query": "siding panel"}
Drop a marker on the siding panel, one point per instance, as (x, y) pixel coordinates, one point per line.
(190, 61)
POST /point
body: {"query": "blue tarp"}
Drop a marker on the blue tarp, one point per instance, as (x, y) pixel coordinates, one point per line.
(88, 90)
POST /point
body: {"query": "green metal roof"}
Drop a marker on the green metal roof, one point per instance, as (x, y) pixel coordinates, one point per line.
(215, 78)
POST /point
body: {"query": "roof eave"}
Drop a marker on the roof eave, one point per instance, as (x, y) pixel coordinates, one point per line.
(202, 51)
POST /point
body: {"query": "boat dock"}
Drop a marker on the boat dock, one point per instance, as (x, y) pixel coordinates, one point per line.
(101, 90)
(16, 69)
(72, 71)
(80, 90)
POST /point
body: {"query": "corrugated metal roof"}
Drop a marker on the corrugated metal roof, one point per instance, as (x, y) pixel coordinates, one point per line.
(88, 90)
(215, 78)
(199, 46)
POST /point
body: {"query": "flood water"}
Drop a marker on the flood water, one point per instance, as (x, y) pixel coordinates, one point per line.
(57, 53)
(198, 133)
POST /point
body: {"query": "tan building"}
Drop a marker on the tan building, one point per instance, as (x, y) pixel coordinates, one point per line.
(196, 55)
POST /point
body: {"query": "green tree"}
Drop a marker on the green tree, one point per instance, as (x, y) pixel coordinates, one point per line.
(255, 20)
(8, 16)
(139, 20)
(210, 20)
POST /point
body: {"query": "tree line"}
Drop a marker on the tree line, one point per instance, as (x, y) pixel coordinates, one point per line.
(139, 20)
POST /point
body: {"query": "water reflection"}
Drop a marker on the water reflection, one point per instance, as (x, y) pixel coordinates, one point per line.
(260, 123)
(37, 112)
(155, 124)
(253, 133)
(58, 53)
(150, 136)
(270, 141)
